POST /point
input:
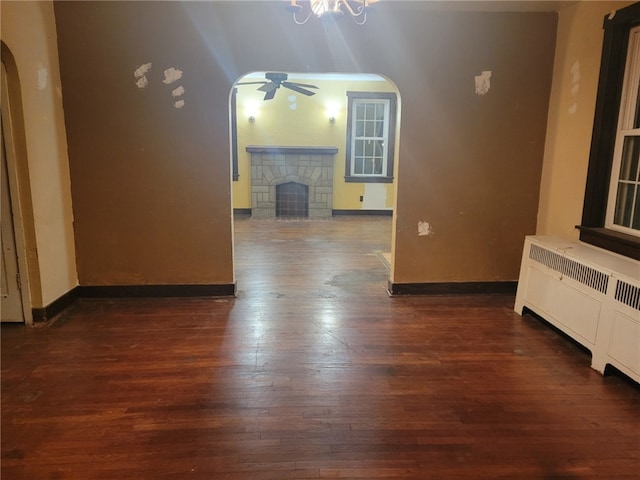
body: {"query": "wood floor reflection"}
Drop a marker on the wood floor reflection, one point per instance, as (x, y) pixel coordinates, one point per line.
(312, 371)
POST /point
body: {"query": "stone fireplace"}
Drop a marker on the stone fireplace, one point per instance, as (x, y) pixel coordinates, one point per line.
(309, 166)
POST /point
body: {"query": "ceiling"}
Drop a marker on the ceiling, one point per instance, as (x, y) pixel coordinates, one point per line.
(490, 5)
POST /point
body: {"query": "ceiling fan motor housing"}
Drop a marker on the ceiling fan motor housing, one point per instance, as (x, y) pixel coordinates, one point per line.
(276, 76)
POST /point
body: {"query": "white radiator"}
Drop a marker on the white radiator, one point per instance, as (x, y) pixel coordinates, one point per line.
(588, 293)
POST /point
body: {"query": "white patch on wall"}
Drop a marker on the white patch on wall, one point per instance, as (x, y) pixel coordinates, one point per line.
(425, 229)
(375, 196)
(140, 75)
(483, 82)
(575, 87)
(172, 75)
(142, 82)
(292, 102)
(43, 78)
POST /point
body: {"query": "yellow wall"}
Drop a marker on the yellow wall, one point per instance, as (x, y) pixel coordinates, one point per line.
(291, 119)
(571, 112)
(28, 30)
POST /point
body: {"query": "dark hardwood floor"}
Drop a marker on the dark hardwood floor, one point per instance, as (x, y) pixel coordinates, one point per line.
(313, 371)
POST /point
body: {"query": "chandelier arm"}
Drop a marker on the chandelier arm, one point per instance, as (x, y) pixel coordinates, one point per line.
(298, 22)
(364, 19)
(361, 10)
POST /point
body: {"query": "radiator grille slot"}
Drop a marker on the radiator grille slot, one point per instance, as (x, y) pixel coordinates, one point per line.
(628, 294)
(588, 276)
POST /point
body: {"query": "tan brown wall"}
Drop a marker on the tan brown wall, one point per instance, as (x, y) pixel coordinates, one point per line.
(571, 112)
(151, 183)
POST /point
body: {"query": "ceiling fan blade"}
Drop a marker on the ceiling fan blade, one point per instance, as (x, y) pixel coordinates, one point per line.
(268, 87)
(270, 94)
(252, 83)
(296, 88)
(300, 84)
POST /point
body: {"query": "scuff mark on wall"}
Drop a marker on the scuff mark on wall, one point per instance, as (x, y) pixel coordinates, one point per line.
(575, 87)
(43, 77)
(483, 82)
(140, 75)
(425, 229)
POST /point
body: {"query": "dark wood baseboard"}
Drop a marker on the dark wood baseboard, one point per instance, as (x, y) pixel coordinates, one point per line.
(452, 288)
(337, 213)
(129, 291)
(156, 291)
(45, 314)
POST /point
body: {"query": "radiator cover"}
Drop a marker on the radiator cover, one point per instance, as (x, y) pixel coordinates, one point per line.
(590, 294)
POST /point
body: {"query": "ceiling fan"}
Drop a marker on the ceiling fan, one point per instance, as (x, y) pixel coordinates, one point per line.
(275, 80)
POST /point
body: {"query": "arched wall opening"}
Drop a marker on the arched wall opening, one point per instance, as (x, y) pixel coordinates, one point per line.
(312, 119)
(15, 153)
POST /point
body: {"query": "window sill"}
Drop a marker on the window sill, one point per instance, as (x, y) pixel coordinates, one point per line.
(357, 179)
(617, 242)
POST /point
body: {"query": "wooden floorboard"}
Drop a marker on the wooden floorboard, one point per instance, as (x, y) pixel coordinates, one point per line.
(313, 371)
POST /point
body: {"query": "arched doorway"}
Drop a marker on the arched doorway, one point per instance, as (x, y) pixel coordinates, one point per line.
(17, 223)
(321, 111)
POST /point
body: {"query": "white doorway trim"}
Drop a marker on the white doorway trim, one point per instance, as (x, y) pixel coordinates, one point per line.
(8, 130)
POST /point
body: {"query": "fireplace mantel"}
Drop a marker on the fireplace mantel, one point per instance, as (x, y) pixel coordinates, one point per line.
(271, 149)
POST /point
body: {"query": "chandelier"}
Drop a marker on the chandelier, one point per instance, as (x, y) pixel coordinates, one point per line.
(303, 10)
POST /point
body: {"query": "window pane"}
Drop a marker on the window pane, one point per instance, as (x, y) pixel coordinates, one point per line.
(377, 169)
(358, 168)
(368, 149)
(368, 129)
(378, 148)
(359, 148)
(630, 159)
(371, 112)
(624, 204)
(636, 211)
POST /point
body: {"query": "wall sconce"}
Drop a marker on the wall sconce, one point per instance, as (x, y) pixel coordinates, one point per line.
(251, 110)
(332, 111)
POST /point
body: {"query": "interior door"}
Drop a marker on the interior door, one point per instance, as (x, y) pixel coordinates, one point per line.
(11, 307)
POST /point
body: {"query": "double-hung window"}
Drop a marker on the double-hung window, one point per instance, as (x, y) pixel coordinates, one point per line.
(370, 137)
(611, 212)
(623, 206)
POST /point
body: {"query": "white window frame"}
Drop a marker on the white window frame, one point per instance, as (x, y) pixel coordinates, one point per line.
(386, 137)
(381, 137)
(625, 130)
